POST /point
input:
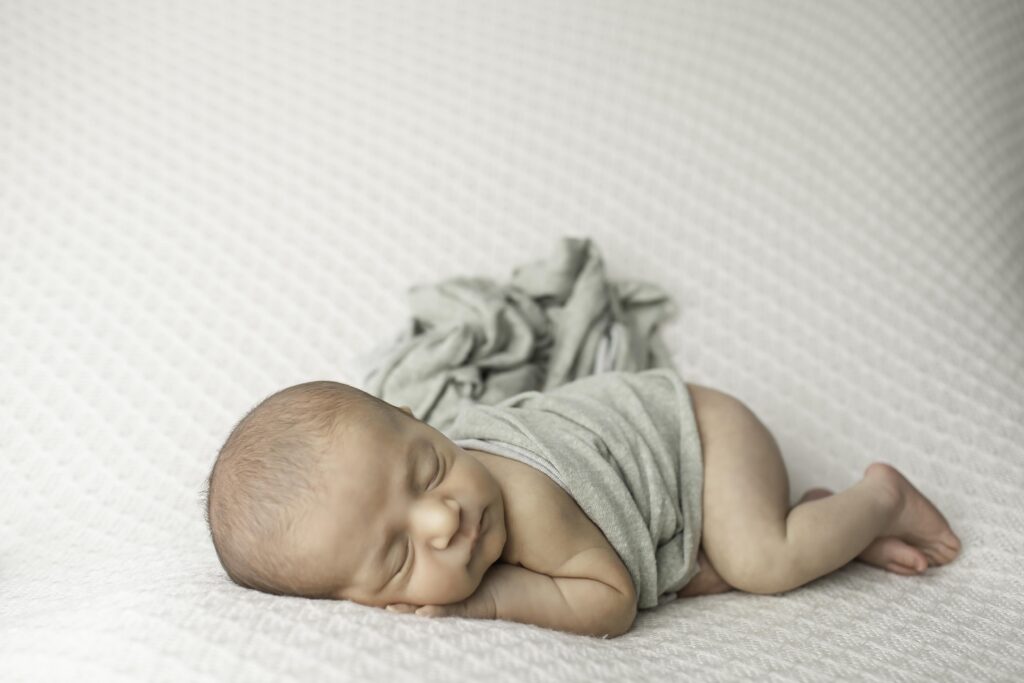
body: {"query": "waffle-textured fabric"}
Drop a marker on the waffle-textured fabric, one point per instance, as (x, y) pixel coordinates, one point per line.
(478, 340)
(203, 202)
(626, 447)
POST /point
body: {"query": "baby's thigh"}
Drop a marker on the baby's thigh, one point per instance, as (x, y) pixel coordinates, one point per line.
(707, 582)
(746, 487)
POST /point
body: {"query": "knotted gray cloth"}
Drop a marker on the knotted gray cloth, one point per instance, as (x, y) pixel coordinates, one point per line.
(626, 447)
(471, 340)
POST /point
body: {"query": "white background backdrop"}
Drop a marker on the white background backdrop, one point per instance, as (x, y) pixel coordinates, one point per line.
(204, 202)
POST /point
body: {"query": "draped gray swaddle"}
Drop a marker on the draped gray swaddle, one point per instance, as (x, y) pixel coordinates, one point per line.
(626, 447)
(473, 339)
(614, 427)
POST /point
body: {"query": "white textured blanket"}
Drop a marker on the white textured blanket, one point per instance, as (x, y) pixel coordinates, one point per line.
(203, 202)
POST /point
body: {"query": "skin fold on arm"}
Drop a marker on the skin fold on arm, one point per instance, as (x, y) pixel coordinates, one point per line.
(514, 593)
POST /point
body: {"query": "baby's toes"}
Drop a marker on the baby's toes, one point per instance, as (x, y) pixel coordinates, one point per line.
(906, 559)
(952, 543)
(942, 548)
(946, 549)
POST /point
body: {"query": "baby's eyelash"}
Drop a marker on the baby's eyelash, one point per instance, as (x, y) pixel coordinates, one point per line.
(440, 468)
(408, 554)
(438, 477)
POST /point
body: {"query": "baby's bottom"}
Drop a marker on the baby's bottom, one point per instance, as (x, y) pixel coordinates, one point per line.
(757, 544)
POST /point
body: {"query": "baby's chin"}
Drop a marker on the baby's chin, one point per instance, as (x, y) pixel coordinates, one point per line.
(467, 588)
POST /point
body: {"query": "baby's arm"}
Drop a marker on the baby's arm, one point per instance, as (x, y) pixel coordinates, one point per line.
(578, 605)
(515, 593)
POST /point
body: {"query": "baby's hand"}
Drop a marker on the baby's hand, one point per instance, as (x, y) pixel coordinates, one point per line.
(454, 610)
(480, 605)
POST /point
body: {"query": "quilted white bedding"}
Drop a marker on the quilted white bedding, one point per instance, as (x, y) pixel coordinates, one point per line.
(204, 202)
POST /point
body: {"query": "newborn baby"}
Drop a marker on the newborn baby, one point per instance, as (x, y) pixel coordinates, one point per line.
(325, 491)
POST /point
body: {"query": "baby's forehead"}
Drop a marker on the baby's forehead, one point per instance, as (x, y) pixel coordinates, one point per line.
(369, 449)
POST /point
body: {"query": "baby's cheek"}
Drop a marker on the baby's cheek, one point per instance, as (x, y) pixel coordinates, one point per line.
(445, 586)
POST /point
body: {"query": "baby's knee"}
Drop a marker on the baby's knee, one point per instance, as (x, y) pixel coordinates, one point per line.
(764, 571)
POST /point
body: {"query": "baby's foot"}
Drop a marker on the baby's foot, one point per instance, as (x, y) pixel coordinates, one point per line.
(887, 552)
(918, 521)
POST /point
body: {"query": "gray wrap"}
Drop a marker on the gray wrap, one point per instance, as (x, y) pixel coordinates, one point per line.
(475, 340)
(626, 447)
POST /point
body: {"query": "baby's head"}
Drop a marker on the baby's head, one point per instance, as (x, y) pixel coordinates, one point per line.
(325, 491)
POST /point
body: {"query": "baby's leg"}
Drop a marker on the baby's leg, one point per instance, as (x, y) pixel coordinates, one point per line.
(758, 544)
(887, 552)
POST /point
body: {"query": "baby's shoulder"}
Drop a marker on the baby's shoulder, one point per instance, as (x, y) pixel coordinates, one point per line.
(550, 534)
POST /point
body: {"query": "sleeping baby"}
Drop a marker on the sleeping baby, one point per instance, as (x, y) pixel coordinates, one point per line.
(569, 509)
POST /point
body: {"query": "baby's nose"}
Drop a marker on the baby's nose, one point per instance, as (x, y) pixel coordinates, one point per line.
(440, 521)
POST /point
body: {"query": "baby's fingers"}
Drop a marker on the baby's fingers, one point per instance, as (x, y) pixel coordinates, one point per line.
(434, 611)
(401, 607)
(424, 610)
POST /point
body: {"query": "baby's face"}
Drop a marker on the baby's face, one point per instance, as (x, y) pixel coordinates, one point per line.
(409, 517)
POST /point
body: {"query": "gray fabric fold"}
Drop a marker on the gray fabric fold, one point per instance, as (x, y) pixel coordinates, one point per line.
(472, 340)
(626, 447)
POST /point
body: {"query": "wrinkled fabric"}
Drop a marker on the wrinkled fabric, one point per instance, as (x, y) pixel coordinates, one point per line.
(626, 447)
(473, 340)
